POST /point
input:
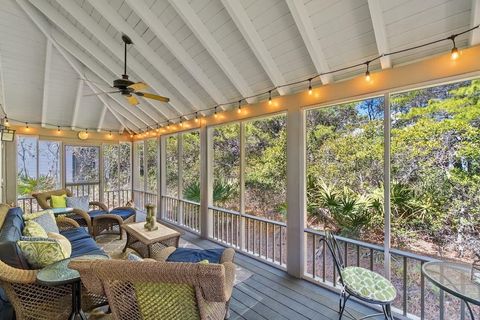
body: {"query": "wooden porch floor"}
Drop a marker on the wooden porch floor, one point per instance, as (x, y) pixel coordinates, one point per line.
(271, 293)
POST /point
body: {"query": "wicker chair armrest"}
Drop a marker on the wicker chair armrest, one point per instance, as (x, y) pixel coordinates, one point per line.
(13, 275)
(163, 254)
(88, 275)
(99, 204)
(84, 215)
(108, 216)
(228, 255)
(65, 223)
(229, 279)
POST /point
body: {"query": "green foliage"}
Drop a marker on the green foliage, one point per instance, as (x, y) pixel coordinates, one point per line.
(222, 191)
(26, 185)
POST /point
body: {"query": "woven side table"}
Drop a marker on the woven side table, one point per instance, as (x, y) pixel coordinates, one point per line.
(147, 243)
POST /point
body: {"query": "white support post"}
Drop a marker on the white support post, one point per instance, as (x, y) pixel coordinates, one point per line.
(101, 183)
(159, 177)
(163, 177)
(296, 198)
(206, 181)
(180, 177)
(386, 183)
(242, 186)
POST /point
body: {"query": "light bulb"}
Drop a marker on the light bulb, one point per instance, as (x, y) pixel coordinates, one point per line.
(367, 76)
(269, 97)
(6, 121)
(310, 91)
(215, 113)
(239, 110)
(58, 129)
(196, 117)
(454, 53)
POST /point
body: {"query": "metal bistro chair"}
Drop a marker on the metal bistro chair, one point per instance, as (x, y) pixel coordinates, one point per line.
(360, 283)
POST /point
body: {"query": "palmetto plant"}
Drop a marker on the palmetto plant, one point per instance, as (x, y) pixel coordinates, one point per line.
(222, 191)
(27, 185)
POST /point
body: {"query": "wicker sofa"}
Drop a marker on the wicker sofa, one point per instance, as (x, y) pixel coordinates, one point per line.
(99, 220)
(162, 290)
(18, 282)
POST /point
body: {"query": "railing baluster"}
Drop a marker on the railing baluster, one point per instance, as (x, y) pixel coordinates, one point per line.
(314, 256)
(324, 266)
(422, 294)
(358, 255)
(442, 305)
(371, 259)
(405, 307)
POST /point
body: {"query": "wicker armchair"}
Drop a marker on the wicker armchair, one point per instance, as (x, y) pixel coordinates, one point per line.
(32, 301)
(101, 222)
(161, 290)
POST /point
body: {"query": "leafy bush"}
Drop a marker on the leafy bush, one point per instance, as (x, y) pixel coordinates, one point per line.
(222, 191)
(27, 185)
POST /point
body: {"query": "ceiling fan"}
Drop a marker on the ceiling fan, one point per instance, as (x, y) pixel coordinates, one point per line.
(130, 89)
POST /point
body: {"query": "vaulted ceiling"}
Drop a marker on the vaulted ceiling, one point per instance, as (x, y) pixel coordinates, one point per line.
(57, 57)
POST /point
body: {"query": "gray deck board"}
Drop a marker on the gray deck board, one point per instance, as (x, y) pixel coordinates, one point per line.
(270, 293)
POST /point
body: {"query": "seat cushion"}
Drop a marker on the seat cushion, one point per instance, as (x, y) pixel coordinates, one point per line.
(368, 284)
(96, 213)
(10, 233)
(124, 213)
(196, 255)
(82, 243)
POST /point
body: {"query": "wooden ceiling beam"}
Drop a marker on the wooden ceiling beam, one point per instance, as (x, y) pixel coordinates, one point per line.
(116, 48)
(305, 27)
(46, 81)
(202, 33)
(172, 44)
(376, 14)
(78, 102)
(250, 34)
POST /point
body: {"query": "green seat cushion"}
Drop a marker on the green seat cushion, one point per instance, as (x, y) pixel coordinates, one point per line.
(175, 301)
(368, 284)
(34, 229)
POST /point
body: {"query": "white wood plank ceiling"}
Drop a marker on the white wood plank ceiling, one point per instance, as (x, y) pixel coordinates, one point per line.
(55, 55)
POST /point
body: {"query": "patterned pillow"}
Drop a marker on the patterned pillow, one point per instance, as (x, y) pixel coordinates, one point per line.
(63, 241)
(34, 229)
(44, 218)
(81, 203)
(41, 252)
(58, 201)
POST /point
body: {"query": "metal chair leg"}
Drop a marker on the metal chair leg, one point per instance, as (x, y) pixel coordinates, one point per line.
(387, 310)
(342, 309)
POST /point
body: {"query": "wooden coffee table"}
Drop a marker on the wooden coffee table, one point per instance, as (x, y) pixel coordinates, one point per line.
(147, 243)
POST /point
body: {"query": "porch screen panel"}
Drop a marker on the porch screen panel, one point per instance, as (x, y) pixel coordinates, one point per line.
(191, 166)
(27, 166)
(49, 165)
(138, 173)
(125, 166)
(266, 168)
(111, 174)
(344, 182)
(435, 186)
(172, 166)
(226, 167)
(82, 170)
(151, 147)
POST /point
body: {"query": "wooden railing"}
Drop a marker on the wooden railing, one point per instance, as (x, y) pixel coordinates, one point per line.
(416, 298)
(262, 238)
(117, 198)
(90, 189)
(182, 212)
(28, 204)
(142, 198)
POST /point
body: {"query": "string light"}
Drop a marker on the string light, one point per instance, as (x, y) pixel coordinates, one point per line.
(181, 122)
(454, 53)
(6, 121)
(158, 128)
(58, 129)
(131, 135)
(367, 73)
(110, 133)
(239, 106)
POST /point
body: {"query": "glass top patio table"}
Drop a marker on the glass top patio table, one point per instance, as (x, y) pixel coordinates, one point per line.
(454, 278)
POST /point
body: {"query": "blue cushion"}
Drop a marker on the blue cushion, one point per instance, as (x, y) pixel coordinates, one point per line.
(196, 255)
(82, 243)
(96, 213)
(9, 234)
(6, 309)
(125, 213)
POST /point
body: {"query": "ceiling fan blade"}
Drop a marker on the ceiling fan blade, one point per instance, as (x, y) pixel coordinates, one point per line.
(138, 86)
(152, 96)
(99, 93)
(132, 100)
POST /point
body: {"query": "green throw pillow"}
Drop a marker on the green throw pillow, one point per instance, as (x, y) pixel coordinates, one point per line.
(58, 201)
(41, 252)
(33, 229)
